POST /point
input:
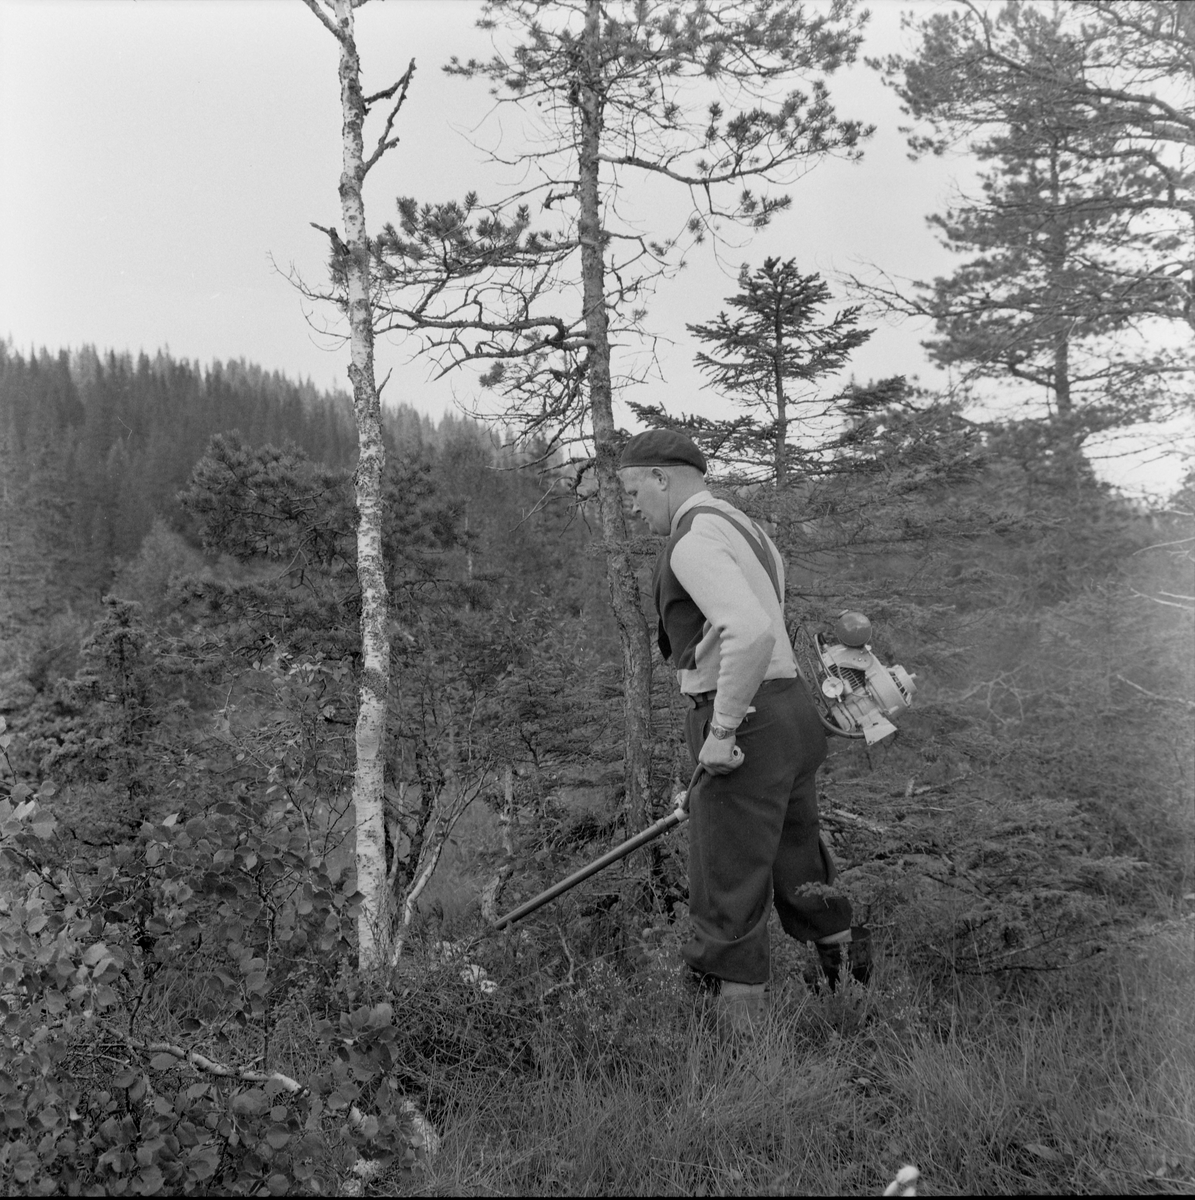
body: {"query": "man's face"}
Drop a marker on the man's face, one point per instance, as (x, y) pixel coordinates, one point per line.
(648, 490)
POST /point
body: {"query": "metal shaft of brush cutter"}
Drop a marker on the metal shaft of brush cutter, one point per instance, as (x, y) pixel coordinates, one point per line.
(677, 817)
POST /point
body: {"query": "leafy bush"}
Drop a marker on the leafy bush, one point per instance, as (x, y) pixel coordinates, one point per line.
(133, 987)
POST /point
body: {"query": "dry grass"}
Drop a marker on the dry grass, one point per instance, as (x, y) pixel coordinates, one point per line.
(1085, 1086)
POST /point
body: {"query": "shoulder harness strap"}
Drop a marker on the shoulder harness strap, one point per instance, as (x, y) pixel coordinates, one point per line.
(757, 544)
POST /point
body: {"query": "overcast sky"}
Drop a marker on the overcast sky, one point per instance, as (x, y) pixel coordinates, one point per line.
(159, 156)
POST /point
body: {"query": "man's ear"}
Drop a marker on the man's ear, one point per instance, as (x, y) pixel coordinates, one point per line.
(661, 477)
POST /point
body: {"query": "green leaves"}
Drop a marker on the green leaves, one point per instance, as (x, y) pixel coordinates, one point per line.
(249, 1103)
(83, 950)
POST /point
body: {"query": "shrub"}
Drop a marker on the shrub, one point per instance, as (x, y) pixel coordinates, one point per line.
(112, 1083)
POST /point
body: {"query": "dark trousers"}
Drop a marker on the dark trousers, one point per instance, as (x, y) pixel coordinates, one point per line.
(753, 837)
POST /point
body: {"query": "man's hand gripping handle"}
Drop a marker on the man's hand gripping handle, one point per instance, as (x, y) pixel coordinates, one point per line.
(720, 755)
(680, 801)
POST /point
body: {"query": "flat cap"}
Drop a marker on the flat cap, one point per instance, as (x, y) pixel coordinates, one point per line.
(661, 448)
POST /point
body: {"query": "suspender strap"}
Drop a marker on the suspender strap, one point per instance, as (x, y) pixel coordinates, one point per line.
(756, 543)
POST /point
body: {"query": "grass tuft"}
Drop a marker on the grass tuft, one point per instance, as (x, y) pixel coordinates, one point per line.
(1087, 1085)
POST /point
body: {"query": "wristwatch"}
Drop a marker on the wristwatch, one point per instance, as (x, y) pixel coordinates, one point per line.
(720, 733)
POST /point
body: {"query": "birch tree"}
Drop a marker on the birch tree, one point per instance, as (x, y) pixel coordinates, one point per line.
(351, 263)
(689, 99)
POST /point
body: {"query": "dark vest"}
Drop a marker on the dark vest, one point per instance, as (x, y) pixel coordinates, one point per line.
(681, 622)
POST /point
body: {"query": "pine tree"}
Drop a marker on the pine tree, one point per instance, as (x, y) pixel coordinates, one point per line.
(1080, 244)
(619, 91)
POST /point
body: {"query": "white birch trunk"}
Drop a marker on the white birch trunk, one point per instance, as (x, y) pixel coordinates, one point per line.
(375, 924)
(441, 823)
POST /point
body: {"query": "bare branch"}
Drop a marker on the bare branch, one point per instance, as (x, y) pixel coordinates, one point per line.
(841, 816)
(1165, 545)
(1167, 603)
(1153, 695)
(386, 142)
(338, 246)
(326, 21)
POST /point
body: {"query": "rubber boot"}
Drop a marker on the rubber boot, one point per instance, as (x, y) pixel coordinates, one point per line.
(853, 954)
(741, 1007)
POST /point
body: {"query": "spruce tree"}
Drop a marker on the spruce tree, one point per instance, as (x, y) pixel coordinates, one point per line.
(768, 361)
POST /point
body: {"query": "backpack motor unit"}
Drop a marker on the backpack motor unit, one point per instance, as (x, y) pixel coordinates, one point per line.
(855, 691)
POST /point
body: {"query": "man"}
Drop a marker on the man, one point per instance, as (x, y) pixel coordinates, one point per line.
(719, 586)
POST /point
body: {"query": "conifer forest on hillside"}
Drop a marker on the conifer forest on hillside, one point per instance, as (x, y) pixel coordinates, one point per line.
(218, 977)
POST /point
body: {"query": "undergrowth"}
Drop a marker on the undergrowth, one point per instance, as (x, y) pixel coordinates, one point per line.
(1084, 1083)
(178, 1012)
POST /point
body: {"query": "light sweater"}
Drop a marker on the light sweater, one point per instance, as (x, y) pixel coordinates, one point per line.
(741, 640)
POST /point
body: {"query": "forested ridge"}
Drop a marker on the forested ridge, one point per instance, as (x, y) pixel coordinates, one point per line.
(201, 992)
(96, 448)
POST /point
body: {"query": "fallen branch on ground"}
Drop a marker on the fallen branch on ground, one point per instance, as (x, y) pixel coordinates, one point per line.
(1154, 696)
(200, 1062)
(842, 817)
